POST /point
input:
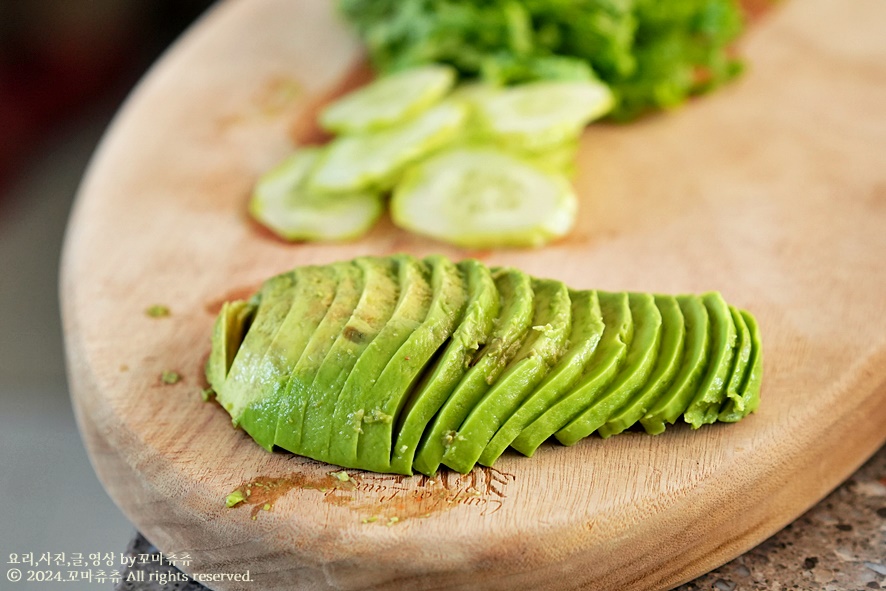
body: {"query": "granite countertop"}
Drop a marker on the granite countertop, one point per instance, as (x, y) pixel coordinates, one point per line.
(838, 545)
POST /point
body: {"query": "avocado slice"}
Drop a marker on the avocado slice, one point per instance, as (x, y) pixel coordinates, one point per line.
(750, 390)
(587, 328)
(230, 327)
(438, 381)
(399, 377)
(673, 335)
(672, 403)
(638, 366)
(272, 302)
(411, 309)
(600, 371)
(293, 403)
(705, 406)
(740, 361)
(374, 309)
(311, 298)
(542, 349)
(511, 326)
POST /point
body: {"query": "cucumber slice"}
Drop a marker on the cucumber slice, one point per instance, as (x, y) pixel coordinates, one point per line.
(482, 198)
(388, 100)
(556, 159)
(375, 160)
(541, 114)
(282, 203)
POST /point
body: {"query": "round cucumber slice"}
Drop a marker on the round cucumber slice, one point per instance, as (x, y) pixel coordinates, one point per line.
(388, 100)
(284, 204)
(375, 160)
(541, 114)
(484, 198)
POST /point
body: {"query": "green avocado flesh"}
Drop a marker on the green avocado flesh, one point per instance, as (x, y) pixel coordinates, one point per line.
(587, 328)
(666, 366)
(750, 387)
(711, 393)
(598, 373)
(293, 404)
(541, 349)
(411, 309)
(671, 404)
(398, 364)
(638, 364)
(511, 326)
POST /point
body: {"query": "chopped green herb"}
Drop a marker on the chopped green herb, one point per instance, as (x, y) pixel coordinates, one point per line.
(341, 476)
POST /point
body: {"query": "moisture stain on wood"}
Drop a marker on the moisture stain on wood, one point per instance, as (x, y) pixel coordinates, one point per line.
(755, 9)
(275, 98)
(385, 499)
(262, 493)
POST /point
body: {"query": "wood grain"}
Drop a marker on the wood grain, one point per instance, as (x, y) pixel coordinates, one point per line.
(772, 191)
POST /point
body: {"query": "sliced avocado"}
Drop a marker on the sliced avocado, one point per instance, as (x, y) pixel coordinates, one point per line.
(705, 406)
(673, 335)
(750, 390)
(438, 382)
(671, 404)
(740, 361)
(638, 366)
(349, 287)
(412, 308)
(542, 349)
(228, 331)
(600, 371)
(511, 326)
(314, 288)
(587, 328)
(374, 309)
(239, 388)
(389, 393)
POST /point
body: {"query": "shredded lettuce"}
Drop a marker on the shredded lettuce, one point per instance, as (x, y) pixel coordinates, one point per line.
(653, 53)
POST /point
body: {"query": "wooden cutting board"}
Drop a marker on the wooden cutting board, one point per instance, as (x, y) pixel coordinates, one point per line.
(772, 191)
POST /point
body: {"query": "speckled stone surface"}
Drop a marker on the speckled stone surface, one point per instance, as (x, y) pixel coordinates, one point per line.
(838, 545)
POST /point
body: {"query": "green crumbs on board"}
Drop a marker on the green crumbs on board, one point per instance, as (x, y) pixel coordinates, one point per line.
(235, 498)
(398, 364)
(157, 311)
(170, 377)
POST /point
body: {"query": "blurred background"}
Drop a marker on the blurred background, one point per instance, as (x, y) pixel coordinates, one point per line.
(65, 68)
